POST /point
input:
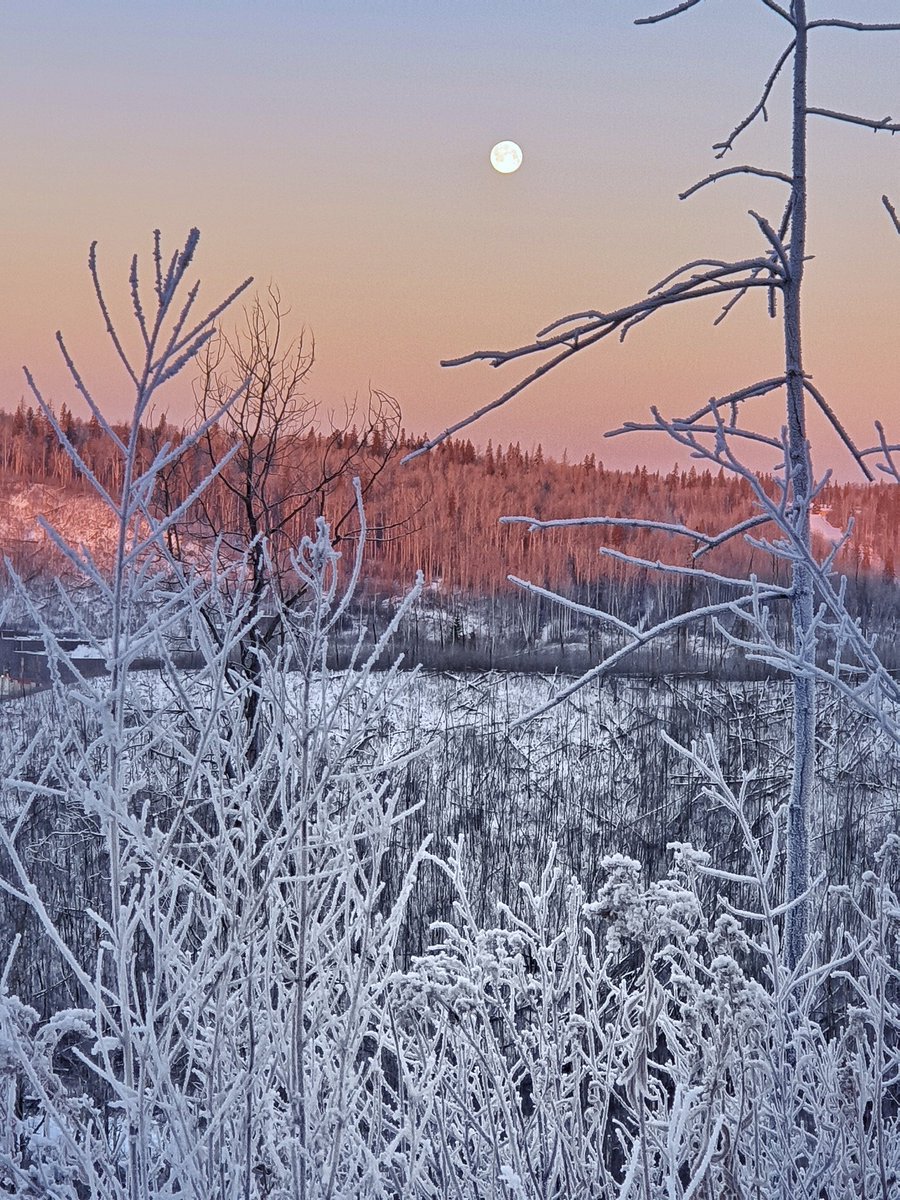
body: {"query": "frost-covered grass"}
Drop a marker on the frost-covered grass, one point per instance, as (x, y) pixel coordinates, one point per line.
(595, 776)
(608, 1027)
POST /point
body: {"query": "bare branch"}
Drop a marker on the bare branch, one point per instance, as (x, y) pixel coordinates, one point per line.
(535, 524)
(711, 283)
(838, 427)
(742, 170)
(594, 331)
(886, 123)
(759, 108)
(892, 212)
(664, 16)
(776, 8)
(507, 395)
(859, 26)
(694, 572)
(686, 290)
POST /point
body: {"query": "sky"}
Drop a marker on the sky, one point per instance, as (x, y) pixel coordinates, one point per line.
(339, 150)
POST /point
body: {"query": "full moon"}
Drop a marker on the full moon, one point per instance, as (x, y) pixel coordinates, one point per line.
(506, 157)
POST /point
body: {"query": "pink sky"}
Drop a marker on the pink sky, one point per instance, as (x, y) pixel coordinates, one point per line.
(340, 150)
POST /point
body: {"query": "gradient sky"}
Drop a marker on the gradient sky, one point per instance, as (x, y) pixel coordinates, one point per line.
(340, 151)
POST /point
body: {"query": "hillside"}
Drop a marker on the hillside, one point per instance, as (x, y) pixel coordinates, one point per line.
(440, 513)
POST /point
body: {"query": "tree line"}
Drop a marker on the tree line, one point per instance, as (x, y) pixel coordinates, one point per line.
(439, 513)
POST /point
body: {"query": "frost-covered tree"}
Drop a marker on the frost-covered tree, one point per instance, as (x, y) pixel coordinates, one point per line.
(717, 431)
(226, 950)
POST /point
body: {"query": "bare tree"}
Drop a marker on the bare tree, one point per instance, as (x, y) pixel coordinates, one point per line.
(717, 430)
(278, 464)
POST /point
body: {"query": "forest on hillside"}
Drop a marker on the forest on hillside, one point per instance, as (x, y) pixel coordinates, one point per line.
(440, 513)
(443, 514)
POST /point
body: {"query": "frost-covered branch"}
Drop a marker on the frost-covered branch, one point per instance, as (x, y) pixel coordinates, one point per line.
(892, 213)
(715, 176)
(592, 328)
(886, 124)
(637, 637)
(759, 109)
(859, 26)
(667, 13)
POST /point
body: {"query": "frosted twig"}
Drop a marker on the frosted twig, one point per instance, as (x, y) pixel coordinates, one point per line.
(697, 262)
(777, 8)
(86, 395)
(859, 26)
(534, 524)
(687, 290)
(585, 610)
(670, 12)
(639, 638)
(507, 395)
(760, 172)
(110, 328)
(734, 531)
(759, 107)
(690, 572)
(692, 427)
(711, 283)
(588, 315)
(197, 331)
(888, 467)
(48, 412)
(762, 388)
(877, 124)
(774, 240)
(838, 427)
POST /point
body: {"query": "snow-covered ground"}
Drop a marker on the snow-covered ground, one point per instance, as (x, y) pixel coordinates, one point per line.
(581, 982)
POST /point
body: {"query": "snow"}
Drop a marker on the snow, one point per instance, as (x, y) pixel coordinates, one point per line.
(83, 651)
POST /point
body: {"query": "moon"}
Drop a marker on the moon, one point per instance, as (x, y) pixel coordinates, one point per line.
(506, 157)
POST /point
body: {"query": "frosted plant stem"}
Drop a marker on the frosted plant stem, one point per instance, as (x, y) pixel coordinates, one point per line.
(298, 1161)
(800, 478)
(118, 908)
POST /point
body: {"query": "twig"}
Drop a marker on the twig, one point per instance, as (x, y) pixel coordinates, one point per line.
(759, 107)
(664, 16)
(885, 123)
(742, 170)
